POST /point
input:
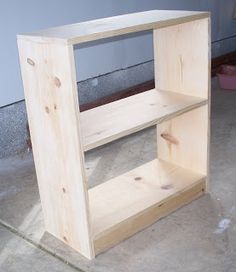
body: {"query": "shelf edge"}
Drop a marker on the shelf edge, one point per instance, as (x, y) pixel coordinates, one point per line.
(143, 126)
(145, 218)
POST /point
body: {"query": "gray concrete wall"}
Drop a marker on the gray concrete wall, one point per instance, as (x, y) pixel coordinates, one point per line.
(27, 15)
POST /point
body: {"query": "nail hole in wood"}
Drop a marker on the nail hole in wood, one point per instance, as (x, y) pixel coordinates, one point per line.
(55, 106)
(64, 190)
(47, 109)
(57, 82)
(30, 62)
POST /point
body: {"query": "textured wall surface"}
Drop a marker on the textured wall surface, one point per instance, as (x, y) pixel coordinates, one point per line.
(13, 133)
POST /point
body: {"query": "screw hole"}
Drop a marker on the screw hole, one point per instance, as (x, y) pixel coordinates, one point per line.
(57, 82)
(30, 62)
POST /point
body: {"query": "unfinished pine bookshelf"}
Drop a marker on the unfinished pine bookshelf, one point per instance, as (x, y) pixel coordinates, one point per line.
(92, 220)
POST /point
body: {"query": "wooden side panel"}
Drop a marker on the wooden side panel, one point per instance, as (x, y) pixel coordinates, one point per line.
(182, 58)
(183, 140)
(48, 73)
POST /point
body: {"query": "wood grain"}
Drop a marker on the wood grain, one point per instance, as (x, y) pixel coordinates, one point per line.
(128, 203)
(52, 108)
(107, 123)
(182, 61)
(91, 221)
(190, 130)
(113, 26)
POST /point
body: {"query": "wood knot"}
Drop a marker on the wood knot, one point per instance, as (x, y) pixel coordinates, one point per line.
(30, 62)
(137, 178)
(64, 190)
(170, 138)
(65, 239)
(57, 82)
(47, 109)
(167, 186)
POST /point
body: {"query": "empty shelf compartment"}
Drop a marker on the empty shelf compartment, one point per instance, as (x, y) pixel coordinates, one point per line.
(128, 203)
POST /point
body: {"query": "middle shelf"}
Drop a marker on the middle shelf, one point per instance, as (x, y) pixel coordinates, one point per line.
(112, 121)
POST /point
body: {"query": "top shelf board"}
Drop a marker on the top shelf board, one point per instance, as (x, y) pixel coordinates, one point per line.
(113, 26)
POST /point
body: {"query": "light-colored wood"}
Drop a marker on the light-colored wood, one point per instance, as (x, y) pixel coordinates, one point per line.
(182, 58)
(209, 107)
(123, 117)
(190, 130)
(126, 204)
(148, 217)
(48, 73)
(184, 68)
(113, 26)
(92, 220)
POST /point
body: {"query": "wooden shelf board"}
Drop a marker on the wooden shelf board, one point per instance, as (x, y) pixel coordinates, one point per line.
(128, 203)
(112, 121)
(113, 26)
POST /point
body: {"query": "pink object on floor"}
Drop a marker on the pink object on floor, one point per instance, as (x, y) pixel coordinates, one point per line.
(227, 77)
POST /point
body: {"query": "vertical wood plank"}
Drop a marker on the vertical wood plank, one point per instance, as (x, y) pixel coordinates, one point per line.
(183, 140)
(181, 54)
(182, 65)
(48, 72)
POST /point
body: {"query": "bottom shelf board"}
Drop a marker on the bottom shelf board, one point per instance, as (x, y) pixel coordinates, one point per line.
(128, 203)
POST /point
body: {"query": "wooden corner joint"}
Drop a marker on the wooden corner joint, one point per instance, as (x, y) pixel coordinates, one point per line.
(166, 136)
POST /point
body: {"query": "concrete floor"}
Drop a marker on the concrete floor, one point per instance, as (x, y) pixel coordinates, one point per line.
(199, 237)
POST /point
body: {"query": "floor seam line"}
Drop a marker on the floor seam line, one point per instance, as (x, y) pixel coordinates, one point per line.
(37, 245)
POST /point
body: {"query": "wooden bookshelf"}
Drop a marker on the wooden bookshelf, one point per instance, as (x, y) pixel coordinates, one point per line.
(92, 220)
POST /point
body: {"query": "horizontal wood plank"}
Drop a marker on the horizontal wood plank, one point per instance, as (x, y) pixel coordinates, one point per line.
(113, 26)
(109, 122)
(128, 203)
